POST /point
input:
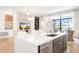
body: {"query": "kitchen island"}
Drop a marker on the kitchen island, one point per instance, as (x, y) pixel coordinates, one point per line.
(38, 42)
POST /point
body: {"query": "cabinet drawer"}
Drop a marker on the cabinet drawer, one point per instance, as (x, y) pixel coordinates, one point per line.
(46, 48)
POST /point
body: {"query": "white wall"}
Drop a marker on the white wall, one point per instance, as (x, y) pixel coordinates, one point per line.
(46, 24)
(1, 21)
(3, 11)
(76, 23)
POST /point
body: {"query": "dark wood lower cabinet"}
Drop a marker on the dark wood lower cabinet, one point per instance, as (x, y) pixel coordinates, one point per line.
(55, 45)
(61, 45)
(65, 42)
(45, 48)
(58, 45)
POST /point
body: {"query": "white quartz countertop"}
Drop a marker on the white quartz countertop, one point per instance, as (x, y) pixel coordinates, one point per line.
(36, 38)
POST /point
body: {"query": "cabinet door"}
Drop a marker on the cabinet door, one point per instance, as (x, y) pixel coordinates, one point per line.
(55, 45)
(65, 41)
(60, 44)
(46, 48)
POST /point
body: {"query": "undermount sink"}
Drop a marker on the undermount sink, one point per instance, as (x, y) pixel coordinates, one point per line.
(52, 35)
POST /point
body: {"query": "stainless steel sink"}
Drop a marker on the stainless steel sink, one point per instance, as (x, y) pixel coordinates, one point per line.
(52, 35)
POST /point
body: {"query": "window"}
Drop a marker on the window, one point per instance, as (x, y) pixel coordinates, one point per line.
(62, 23)
(57, 24)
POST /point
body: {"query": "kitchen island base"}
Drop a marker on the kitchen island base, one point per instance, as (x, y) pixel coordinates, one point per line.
(57, 44)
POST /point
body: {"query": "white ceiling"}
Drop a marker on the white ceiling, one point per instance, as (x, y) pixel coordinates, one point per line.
(40, 10)
(45, 10)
